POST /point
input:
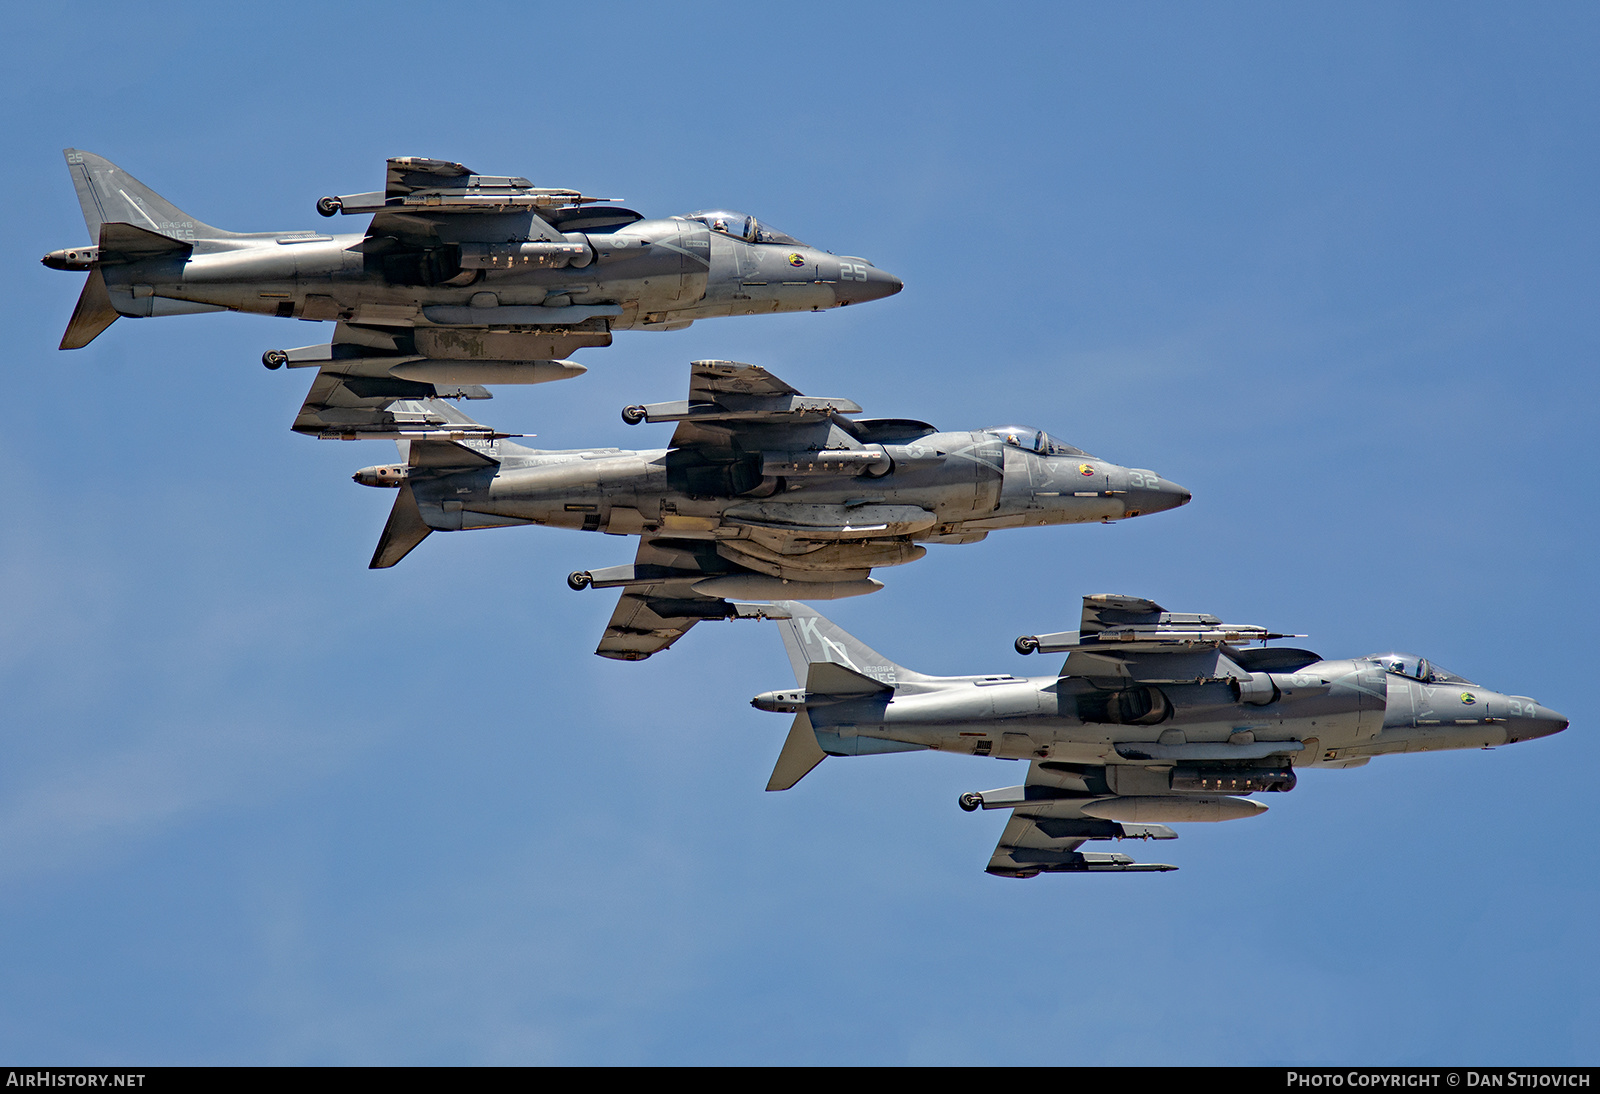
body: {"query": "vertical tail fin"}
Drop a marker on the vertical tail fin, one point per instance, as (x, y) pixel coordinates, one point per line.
(809, 637)
(109, 195)
(827, 660)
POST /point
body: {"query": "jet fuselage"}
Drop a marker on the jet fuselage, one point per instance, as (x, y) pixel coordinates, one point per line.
(943, 487)
(650, 274)
(1328, 713)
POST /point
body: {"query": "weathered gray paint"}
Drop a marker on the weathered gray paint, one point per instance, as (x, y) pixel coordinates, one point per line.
(1217, 730)
(528, 274)
(764, 492)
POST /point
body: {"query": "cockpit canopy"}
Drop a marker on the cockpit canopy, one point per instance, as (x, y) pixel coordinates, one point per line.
(1034, 440)
(1416, 668)
(741, 226)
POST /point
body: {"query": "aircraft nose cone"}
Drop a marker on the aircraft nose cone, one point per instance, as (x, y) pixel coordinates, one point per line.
(1165, 495)
(1548, 722)
(876, 286)
(1543, 723)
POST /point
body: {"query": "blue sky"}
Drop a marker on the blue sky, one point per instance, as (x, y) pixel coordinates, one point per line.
(1332, 268)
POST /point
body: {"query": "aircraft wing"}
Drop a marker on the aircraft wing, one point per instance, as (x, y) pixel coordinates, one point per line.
(366, 368)
(727, 395)
(359, 395)
(659, 603)
(407, 174)
(1138, 639)
(1176, 666)
(343, 407)
(417, 191)
(708, 380)
(1047, 828)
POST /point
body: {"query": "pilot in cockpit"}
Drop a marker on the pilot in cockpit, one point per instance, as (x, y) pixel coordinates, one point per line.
(740, 226)
(1035, 440)
(1416, 668)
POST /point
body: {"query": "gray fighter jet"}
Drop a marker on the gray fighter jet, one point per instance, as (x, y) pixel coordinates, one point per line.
(460, 279)
(1155, 717)
(764, 493)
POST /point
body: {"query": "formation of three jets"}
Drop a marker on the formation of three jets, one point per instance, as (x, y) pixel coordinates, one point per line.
(764, 494)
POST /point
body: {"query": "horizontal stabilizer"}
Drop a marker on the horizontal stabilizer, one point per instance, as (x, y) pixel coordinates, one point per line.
(404, 531)
(130, 243)
(800, 754)
(828, 678)
(447, 455)
(93, 314)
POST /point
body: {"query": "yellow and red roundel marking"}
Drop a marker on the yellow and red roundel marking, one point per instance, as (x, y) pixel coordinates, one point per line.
(1085, 469)
(797, 260)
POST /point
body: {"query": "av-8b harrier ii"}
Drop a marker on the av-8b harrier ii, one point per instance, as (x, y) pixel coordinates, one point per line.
(764, 493)
(460, 279)
(1156, 717)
